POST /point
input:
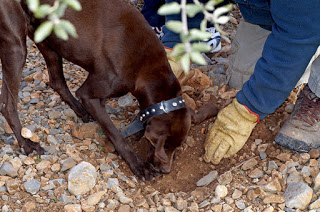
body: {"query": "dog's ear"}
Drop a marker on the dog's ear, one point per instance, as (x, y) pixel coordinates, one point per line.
(157, 133)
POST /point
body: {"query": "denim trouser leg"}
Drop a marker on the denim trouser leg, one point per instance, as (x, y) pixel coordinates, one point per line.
(149, 11)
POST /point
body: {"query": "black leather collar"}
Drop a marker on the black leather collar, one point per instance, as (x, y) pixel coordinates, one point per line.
(153, 110)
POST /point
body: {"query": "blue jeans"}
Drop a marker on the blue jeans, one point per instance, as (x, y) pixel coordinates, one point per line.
(294, 39)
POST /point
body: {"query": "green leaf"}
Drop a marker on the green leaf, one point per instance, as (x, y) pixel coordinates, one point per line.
(200, 47)
(43, 11)
(175, 26)
(69, 28)
(60, 32)
(211, 4)
(169, 9)
(193, 10)
(74, 4)
(198, 58)
(203, 25)
(60, 10)
(185, 62)
(33, 4)
(178, 50)
(223, 19)
(43, 31)
(199, 35)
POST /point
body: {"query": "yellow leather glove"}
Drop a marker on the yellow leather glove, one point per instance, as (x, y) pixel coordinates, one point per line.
(175, 66)
(229, 132)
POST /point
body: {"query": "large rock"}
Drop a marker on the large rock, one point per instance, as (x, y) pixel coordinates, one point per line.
(82, 178)
(298, 195)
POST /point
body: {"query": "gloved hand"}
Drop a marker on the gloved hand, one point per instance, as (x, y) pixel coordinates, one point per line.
(229, 132)
(175, 66)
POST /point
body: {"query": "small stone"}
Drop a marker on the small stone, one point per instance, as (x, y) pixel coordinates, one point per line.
(43, 165)
(272, 165)
(16, 163)
(217, 208)
(87, 208)
(95, 198)
(67, 164)
(52, 139)
(268, 209)
(221, 191)
(86, 130)
(170, 209)
(82, 178)
(315, 204)
(256, 173)
(289, 108)
(249, 164)
(125, 200)
(55, 167)
(7, 169)
(194, 207)
(5, 208)
(240, 204)
(190, 141)
(317, 182)
(236, 194)
(112, 182)
(227, 207)
(13, 185)
(298, 195)
(29, 206)
(124, 208)
(28, 161)
(284, 157)
(273, 186)
(225, 178)
(304, 157)
(32, 186)
(181, 204)
(314, 153)
(273, 198)
(228, 94)
(72, 208)
(125, 100)
(206, 180)
(7, 128)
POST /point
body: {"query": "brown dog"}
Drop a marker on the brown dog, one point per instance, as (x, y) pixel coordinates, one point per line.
(122, 54)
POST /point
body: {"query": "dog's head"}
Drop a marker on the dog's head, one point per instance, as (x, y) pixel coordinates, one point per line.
(165, 133)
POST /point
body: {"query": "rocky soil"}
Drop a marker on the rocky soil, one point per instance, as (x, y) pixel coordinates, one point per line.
(81, 172)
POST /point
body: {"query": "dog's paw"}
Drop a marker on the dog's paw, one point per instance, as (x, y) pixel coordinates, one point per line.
(30, 146)
(144, 170)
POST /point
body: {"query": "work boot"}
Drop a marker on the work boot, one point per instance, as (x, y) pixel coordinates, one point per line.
(301, 132)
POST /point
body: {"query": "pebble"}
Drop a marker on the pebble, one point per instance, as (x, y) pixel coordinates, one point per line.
(43, 165)
(206, 180)
(7, 169)
(240, 204)
(82, 178)
(256, 173)
(272, 165)
(273, 198)
(67, 164)
(249, 164)
(112, 182)
(273, 186)
(225, 178)
(32, 186)
(95, 198)
(124, 208)
(236, 194)
(72, 208)
(221, 191)
(298, 195)
(29, 206)
(317, 182)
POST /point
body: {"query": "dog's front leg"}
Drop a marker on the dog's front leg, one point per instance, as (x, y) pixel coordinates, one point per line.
(96, 107)
(13, 55)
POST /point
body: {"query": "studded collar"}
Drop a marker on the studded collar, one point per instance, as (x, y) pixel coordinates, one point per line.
(153, 110)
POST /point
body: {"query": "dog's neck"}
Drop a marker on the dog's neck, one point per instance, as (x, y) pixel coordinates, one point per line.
(154, 91)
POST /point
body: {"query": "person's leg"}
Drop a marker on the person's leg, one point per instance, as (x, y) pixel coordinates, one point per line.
(150, 12)
(246, 49)
(301, 132)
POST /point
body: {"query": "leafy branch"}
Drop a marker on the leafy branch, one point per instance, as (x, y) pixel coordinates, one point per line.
(191, 48)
